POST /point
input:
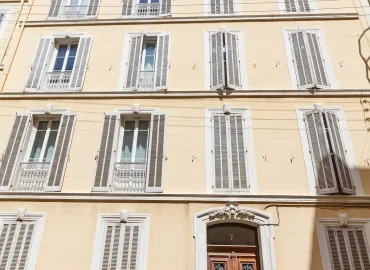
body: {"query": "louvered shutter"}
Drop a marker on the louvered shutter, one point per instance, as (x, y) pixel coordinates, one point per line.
(162, 62)
(317, 59)
(166, 7)
(80, 65)
(362, 248)
(156, 152)
(217, 68)
(61, 152)
(13, 149)
(215, 6)
(229, 7)
(133, 63)
(55, 8)
(130, 250)
(111, 246)
(92, 10)
(8, 232)
(303, 6)
(340, 154)
(127, 7)
(39, 63)
(320, 153)
(301, 60)
(290, 6)
(232, 61)
(220, 151)
(107, 152)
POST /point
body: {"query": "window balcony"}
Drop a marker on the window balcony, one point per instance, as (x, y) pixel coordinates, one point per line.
(129, 177)
(32, 176)
(56, 81)
(146, 10)
(146, 80)
(73, 12)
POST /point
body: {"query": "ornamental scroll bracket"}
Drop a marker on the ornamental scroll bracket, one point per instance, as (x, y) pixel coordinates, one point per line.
(232, 211)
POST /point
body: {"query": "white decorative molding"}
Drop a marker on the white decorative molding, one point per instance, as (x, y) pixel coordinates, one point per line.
(21, 213)
(232, 211)
(226, 108)
(343, 219)
(48, 108)
(136, 109)
(123, 216)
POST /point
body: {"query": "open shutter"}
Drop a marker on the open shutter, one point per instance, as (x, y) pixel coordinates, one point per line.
(217, 68)
(130, 250)
(162, 63)
(92, 10)
(111, 246)
(39, 63)
(215, 6)
(80, 65)
(320, 153)
(232, 61)
(13, 149)
(107, 152)
(54, 9)
(290, 6)
(220, 150)
(136, 45)
(229, 7)
(301, 60)
(166, 7)
(340, 154)
(156, 152)
(317, 59)
(303, 6)
(127, 7)
(61, 152)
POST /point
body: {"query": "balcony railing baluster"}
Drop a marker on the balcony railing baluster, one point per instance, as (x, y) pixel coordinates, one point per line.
(33, 176)
(73, 12)
(146, 80)
(147, 10)
(129, 177)
(56, 81)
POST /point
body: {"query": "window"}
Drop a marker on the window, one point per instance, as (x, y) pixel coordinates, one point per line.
(137, 165)
(121, 245)
(148, 69)
(46, 140)
(73, 9)
(308, 59)
(296, 6)
(59, 64)
(220, 7)
(146, 8)
(328, 152)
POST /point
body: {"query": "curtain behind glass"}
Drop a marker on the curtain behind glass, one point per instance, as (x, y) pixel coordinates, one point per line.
(142, 141)
(39, 141)
(49, 151)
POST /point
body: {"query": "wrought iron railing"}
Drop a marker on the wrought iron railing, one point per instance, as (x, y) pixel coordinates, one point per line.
(147, 10)
(73, 12)
(56, 81)
(129, 177)
(146, 80)
(32, 176)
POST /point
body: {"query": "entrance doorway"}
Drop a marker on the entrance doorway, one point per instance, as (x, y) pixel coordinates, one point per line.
(232, 246)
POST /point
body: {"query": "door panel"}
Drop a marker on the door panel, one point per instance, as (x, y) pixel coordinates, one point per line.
(232, 261)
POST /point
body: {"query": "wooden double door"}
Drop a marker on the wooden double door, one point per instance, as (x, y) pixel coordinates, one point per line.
(232, 261)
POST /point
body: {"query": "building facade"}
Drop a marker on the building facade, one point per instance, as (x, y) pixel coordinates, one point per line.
(205, 134)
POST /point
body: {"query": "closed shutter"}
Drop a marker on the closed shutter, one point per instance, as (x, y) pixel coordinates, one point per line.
(317, 60)
(229, 7)
(162, 62)
(217, 68)
(92, 11)
(61, 152)
(130, 249)
(215, 6)
(127, 7)
(301, 60)
(111, 246)
(54, 8)
(303, 6)
(106, 152)
(232, 61)
(363, 248)
(220, 150)
(320, 153)
(80, 65)
(13, 149)
(136, 45)
(166, 7)
(340, 154)
(290, 6)
(39, 63)
(156, 152)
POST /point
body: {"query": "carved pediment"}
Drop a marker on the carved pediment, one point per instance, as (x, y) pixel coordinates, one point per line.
(232, 211)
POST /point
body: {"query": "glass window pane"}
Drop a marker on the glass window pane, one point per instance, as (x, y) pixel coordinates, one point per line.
(143, 1)
(155, 1)
(128, 139)
(58, 66)
(60, 57)
(84, 2)
(74, 2)
(142, 141)
(71, 57)
(149, 57)
(50, 146)
(73, 50)
(39, 141)
(231, 234)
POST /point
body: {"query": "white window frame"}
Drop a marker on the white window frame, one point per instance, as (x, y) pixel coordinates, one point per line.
(351, 159)
(248, 142)
(5, 20)
(282, 8)
(55, 53)
(143, 54)
(324, 51)
(103, 219)
(242, 58)
(207, 8)
(322, 223)
(366, 10)
(39, 220)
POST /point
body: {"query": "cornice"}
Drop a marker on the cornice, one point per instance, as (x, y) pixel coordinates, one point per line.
(198, 19)
(330, 93)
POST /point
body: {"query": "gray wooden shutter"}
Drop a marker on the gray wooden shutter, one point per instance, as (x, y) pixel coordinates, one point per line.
(61, 152)
(111, 246)
(8, 231)
(133, 62)
(106, 152)
(13, 149)
(362, 248)
(162, 62)
(340, 154)
(215, 6)
(127, 7)
(232, 61)
(320, 153)
(303, 6)
(217, 68)
(92, 10)
(80, 65)
(238, 152)
(220, 150)
(290, 6)
(156, 152)
(166, 7)
(39, 63)
(130, 250)
(317, 59)
(338, 249)
(54, 8)
(301, 60)
(229, 7)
